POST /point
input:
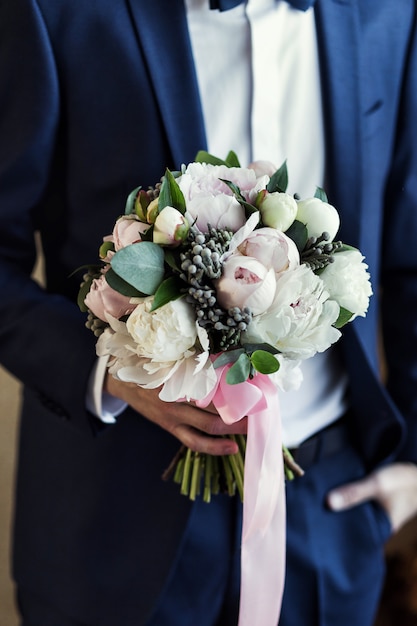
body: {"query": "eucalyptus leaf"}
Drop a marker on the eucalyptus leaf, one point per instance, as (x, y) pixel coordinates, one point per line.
(240, 371)
(298, 233)
(279, 180)
(168, 290)
(230, 356)
(121, 286)
(141, 265)
(170, 194)
(321, 194)
(264, 362)
(344, 317)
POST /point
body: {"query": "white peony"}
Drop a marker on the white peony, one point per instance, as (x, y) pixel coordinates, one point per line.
(300, 320)
(348, 282)
(143, 359)
(165, 334)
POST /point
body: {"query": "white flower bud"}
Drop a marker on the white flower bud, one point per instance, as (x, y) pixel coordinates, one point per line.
(319, 217)
(170, 227)
(278, 210)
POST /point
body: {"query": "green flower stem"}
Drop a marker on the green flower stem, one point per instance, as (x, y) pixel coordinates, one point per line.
(291, 468)
(230, 483)
(215, 483)
(236, 464)
(195, 476)
(241, 440)
(240, 459)
(179, 471)
(185, 485)
(208, 477)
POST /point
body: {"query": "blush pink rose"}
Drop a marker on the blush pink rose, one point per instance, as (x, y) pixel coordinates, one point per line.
(102, 299)
(127, 230)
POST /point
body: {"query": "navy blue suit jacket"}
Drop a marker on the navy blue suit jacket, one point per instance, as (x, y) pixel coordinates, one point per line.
(97, 97)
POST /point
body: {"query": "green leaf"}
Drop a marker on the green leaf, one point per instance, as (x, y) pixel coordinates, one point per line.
(230, 356)
(131, 201)
(168, 290)
(83, 291)
(264, 362)
(141, 265)
(238, 195)
(298, 233)
(105, 247)
(172, 259)
(232, 159)
(251, 347)
(170, 194)
(240, 371)
(344, 317)
(320, 194)
(279, 180)
(205, 157)
(121, 286)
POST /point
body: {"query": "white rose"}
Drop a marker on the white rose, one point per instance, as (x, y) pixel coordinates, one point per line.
(163, 335)
(348, 282)
(278, 210)
(319, 217)
(300, 320)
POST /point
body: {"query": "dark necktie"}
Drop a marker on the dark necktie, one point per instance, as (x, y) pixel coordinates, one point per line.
(224, 5)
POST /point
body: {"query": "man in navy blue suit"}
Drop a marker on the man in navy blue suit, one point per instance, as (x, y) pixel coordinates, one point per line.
(98, 97)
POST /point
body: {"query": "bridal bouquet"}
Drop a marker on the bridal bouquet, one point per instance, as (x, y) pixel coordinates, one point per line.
(217, 278)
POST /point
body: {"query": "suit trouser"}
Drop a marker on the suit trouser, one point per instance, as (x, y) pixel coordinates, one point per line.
(335, 561)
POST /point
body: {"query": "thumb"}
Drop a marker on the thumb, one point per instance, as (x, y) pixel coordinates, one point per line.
(351, 494)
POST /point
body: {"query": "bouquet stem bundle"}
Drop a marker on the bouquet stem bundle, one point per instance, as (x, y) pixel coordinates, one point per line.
(198, 473)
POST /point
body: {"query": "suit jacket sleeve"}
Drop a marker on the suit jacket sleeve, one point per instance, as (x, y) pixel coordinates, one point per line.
(43, 341)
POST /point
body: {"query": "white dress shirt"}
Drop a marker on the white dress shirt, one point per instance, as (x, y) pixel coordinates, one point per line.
(258, 76)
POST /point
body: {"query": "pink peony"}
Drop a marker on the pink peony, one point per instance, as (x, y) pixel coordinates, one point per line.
(210, 201)
(246, 282)
(272, 248)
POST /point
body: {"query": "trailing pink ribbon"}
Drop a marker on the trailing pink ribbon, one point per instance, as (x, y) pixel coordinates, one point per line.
(264, 523)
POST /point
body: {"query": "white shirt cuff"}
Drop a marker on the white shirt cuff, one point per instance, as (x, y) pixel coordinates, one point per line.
(99, 403)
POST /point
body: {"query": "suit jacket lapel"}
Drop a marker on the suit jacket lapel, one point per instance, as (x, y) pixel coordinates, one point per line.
(165, 42)
(339, 57)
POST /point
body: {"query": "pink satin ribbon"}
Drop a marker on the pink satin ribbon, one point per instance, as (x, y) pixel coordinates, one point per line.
(264, 523)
